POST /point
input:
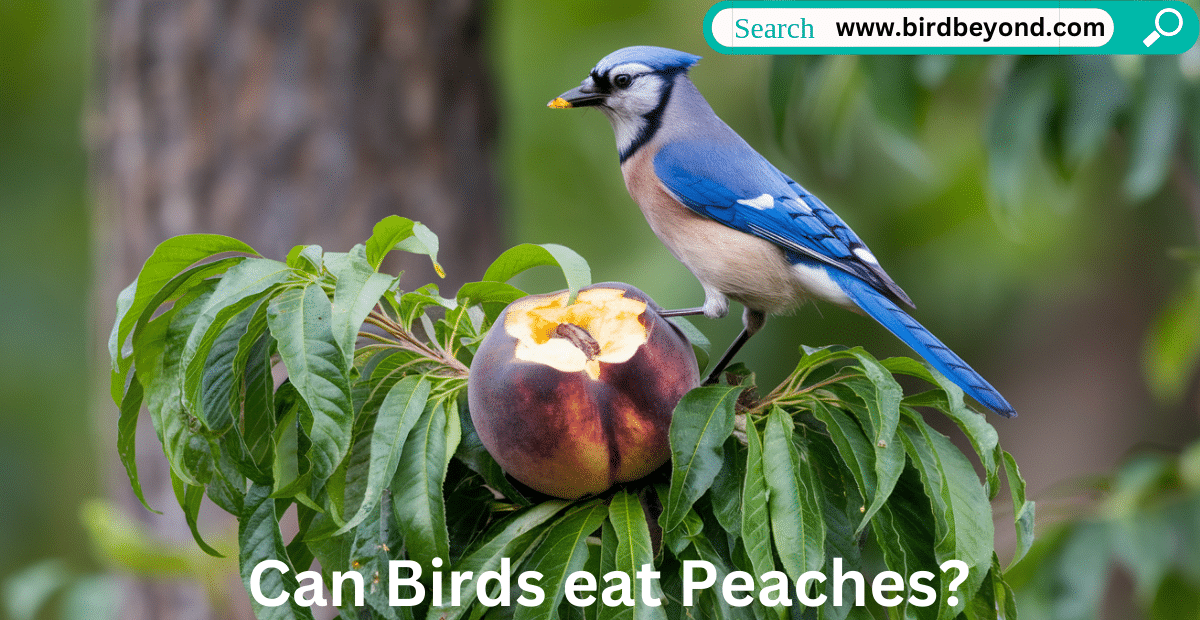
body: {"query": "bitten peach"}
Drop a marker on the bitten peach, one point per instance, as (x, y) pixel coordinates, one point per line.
(573, 399)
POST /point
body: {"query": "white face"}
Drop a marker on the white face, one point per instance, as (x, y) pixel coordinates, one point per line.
(634, 91)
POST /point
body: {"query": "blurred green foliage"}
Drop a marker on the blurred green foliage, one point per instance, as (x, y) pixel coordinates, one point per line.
(1146, 521)
(46, 437)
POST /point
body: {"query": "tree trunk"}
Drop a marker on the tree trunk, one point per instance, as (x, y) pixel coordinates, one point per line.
(282, 123)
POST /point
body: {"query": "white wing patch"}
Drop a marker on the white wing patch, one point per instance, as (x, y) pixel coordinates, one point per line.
(865, 255)
(803, 207)
(762, 203)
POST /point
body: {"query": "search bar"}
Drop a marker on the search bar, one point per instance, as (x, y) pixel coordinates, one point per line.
(988, 27)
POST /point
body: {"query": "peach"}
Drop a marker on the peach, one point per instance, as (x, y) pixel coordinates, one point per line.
(573, 399)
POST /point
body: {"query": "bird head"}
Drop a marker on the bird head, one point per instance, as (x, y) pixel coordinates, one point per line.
(631, 87)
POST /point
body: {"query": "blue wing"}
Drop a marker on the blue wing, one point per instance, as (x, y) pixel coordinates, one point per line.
(739, 188)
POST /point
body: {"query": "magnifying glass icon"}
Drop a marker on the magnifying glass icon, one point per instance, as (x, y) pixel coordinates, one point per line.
(1158, 30)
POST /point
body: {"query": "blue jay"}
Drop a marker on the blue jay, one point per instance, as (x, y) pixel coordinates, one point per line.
(742, 227)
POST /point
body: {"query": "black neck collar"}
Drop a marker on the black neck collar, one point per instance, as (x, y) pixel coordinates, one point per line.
(653, 121)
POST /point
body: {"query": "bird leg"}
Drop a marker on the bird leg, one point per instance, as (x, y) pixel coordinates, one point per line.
(753, 320)
(683, 312)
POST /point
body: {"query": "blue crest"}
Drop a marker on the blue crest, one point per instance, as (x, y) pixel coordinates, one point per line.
(657, 58)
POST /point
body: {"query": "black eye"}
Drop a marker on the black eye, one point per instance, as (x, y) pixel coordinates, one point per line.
(622, 80)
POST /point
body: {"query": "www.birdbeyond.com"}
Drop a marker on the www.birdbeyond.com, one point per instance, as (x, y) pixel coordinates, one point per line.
(618, 590)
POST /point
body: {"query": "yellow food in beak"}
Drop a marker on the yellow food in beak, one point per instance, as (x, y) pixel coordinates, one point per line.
(604, 315)
(559, 103)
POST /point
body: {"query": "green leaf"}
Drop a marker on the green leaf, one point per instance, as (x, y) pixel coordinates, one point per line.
(796, 523)
(856, 453)
(488, 292)
(413, 304)
(417, 487)
(240, 288)
(889, 459)
(131, 407)
(904, 531)
(962, 515)
(839, 503)
(394, 365)
(711, 603)
(632, 552)
(881, 395)
(400, 233)
(387, 233)
(400, 411)
(258, 401)
(702, 421)
(249, 400)
(189, 498)
(260, 540)
(527, 255)
(300, 320)
(116, 339)
(1155, 127)
(356, 474)
(183, 286)
(422, 241)
(287, 477)
(1023, 509)
(756, 522)
(218, 390)
(563, 551)
(607, 564)
(158, 348)
(456, 326)
(509, 539)
(227, 488)
(306, 258)
(983, 605)
(168, 259)
(883, 402)
(949, 402)
(368, 553)
(358, 289)
(1006, 598)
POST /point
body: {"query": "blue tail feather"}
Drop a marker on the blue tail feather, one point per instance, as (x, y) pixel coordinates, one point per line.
(922, 341)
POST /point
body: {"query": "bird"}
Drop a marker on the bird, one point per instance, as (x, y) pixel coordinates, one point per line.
(744, 229)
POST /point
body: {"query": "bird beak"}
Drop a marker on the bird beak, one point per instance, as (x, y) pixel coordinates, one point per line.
(585, 95)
